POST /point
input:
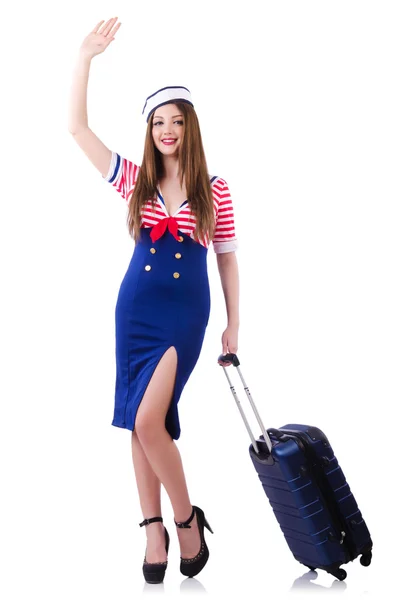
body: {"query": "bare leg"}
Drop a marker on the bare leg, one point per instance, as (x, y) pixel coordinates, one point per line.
(158, 451)
(149, 495)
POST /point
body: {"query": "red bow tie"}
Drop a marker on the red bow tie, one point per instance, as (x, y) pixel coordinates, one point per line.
(159, 229)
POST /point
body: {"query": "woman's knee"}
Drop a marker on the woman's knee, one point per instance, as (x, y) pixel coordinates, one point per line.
(148, 426)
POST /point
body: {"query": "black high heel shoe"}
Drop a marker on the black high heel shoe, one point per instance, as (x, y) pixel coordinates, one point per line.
(190, 567)
(154, 572)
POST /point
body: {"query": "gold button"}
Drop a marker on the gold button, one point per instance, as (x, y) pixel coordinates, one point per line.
(180, 239)
(147, 268)
(153, 250)
(176, 275)
(178, 255)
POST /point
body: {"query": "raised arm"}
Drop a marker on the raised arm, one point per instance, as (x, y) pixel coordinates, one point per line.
(95, 43)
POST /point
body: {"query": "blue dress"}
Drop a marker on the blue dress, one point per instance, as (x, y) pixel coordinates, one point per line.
(163, 301)
(164, 297)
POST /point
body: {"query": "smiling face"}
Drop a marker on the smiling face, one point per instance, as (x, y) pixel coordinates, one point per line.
(167, 129)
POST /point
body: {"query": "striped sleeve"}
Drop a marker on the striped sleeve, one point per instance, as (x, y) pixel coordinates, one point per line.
(225, 239)
(122, 174)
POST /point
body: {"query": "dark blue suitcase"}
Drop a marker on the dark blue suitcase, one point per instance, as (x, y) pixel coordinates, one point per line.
(308, 492)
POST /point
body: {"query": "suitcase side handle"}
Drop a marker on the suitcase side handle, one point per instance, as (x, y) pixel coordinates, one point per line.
(233, 359)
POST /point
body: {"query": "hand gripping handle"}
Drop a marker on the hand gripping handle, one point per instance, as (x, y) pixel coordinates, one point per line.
(227, 359)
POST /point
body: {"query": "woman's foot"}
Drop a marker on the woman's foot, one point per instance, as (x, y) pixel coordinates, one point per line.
(194, 557)
(189, 539)
(155, 543)
(154, 569)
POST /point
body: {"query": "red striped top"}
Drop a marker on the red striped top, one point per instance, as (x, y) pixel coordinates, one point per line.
(123, 174)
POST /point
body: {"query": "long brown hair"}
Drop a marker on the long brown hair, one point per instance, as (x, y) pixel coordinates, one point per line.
(192, 168)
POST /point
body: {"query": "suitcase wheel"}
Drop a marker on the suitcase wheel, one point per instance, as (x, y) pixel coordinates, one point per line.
(340, 574)
(365, 559)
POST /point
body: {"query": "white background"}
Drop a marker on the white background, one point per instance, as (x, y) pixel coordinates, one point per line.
(297, 107)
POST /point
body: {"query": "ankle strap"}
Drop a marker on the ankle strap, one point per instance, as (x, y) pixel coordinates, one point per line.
(185, 524)
(152, 520)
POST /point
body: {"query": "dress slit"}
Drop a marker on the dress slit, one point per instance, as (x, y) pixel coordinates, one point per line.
(172, 418)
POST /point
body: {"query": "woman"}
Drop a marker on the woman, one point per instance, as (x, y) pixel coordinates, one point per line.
(175, 210)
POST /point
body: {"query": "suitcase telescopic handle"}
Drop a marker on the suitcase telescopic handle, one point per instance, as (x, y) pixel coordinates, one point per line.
(227, 359)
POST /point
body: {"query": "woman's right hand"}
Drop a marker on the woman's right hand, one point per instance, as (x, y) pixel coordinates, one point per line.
(100, 37)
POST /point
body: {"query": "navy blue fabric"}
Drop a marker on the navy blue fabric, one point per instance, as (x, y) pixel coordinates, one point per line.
(155, 311)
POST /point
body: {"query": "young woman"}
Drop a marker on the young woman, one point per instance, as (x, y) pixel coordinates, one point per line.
(175, 210)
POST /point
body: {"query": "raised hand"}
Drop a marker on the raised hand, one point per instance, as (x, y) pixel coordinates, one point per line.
(100, 37)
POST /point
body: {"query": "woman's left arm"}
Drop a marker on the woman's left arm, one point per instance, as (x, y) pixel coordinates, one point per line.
(228, 271)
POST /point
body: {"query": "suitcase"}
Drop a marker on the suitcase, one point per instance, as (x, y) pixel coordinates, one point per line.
(307, 491)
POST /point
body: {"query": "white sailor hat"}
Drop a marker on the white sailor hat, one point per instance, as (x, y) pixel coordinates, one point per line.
(174, 93)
